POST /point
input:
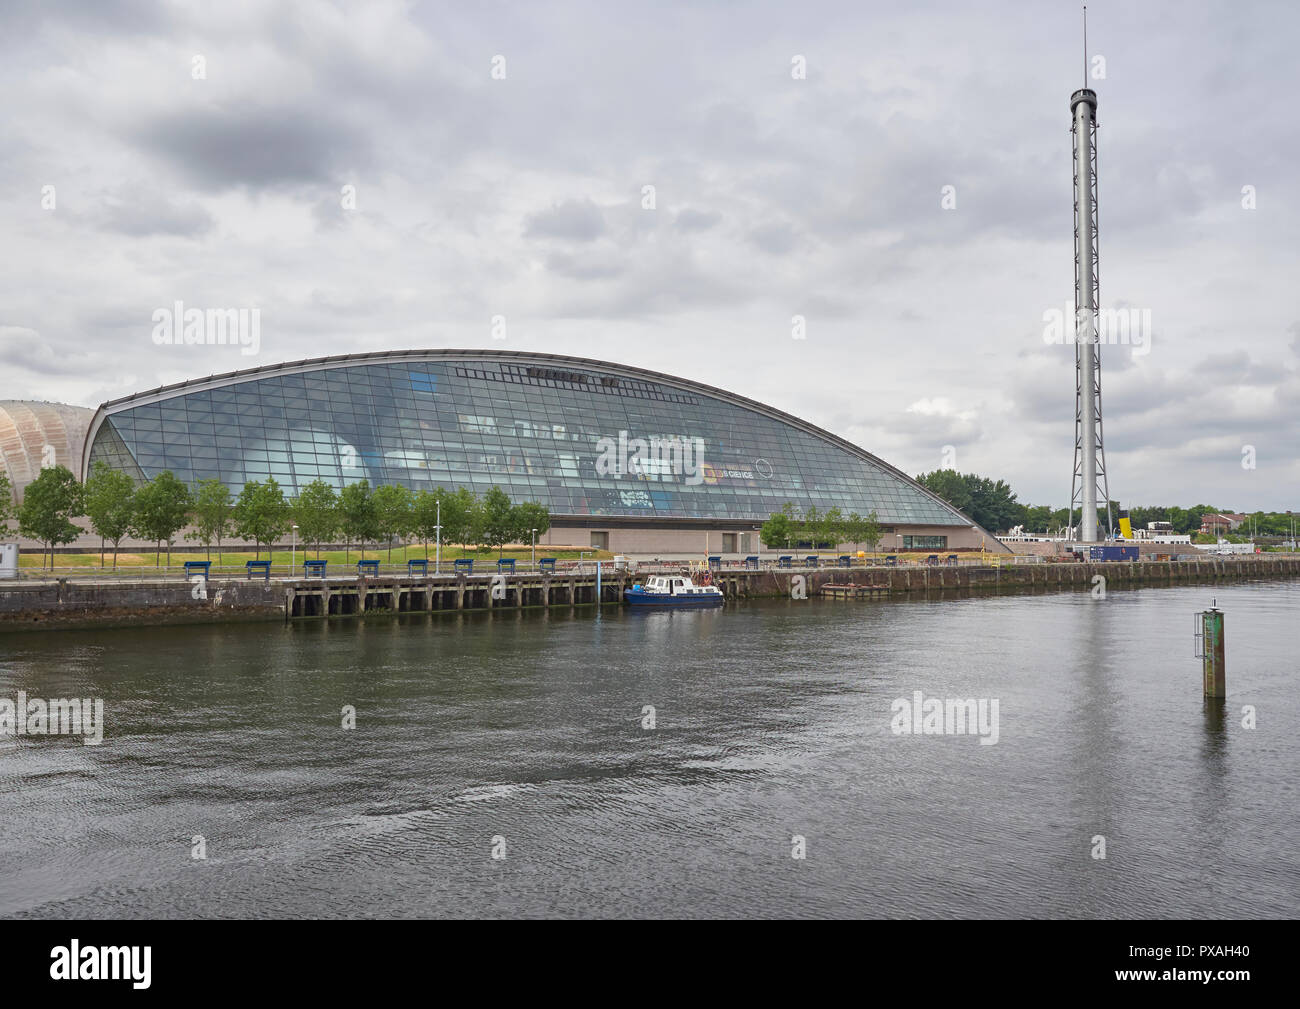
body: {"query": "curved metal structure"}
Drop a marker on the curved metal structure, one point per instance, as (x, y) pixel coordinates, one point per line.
(36, 434)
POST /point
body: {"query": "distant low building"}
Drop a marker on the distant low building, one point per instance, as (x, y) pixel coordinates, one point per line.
(1215, 524)
(1219, 523)
(1160, 532)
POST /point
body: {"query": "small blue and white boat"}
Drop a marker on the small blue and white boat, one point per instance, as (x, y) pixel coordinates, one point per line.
(673, 590)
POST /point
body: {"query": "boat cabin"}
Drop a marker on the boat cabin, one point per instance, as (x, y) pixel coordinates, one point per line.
(675, 585)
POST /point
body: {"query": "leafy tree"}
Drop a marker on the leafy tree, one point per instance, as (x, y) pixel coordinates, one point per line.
(161, 510)
(316, 510)
(262, 514)
(1185, 521)
(527, 516)
(871, 531)
(777, 531)
(853, 529)
(424, 515)
(1273, 523)
(50, 502)
(7, 509)
(357, 518)
(1037, 518)
(830, 529)
(949, 485)
(213, 510)
(496, 527)
(993, 505)
(806, 528)
(780, 528)
(859, 530)
(392, 514)
(109, 500)
(461, 517)
(990, 503)
(1143, 515)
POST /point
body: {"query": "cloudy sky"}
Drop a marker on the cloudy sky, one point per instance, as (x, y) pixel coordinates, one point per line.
(499, 155)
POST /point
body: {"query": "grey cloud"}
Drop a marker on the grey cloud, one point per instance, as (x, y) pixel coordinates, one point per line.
(339, 303)
(220, 148)
(138, 211)
(818, 307)
(665, 286)
(690, 219)
(120, 17)
(571, 220)
(34, 352)
(1237, 368)
(593, 267)
(776, 239)
(927, 434)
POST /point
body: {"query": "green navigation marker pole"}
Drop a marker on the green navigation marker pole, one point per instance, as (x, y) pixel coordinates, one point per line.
(1216, 679)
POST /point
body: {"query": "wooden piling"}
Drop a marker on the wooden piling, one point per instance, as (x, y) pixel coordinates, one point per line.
(1216, 678)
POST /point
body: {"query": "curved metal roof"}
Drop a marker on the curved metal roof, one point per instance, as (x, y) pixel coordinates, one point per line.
(166, 392)
(34, 434)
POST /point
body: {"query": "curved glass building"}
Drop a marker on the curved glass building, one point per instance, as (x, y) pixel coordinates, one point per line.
(626, 459)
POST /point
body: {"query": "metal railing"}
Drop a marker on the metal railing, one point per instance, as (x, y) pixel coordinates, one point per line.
(582, 566)
(281, 571)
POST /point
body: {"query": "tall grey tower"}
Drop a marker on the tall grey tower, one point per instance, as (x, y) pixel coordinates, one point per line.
(1089, 454)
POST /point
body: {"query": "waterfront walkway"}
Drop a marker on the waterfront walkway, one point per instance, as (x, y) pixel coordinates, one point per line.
(69, 601)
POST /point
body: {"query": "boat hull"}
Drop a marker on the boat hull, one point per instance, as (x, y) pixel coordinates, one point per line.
(663, 600)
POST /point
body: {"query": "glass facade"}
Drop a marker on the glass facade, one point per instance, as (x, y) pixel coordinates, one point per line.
(581, 440)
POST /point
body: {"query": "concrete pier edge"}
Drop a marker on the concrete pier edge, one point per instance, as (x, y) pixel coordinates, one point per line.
(86, 602)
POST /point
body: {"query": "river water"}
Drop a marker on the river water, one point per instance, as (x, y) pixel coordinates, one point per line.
(524, 736)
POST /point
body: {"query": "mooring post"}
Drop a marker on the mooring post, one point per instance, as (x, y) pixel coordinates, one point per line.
(1216, 674)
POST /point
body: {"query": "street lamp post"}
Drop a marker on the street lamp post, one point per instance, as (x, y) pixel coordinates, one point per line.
(437, 540)
(534, 532)
(293, 555)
